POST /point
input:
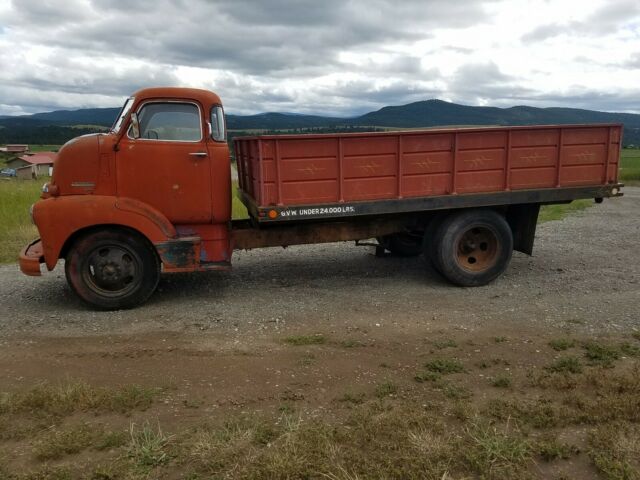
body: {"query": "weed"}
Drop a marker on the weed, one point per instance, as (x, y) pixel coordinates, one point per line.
(300, 340)
(68, 397)
(614, 450)
(442, 344)
(565, 365)
(561, 344)
(629, 350)
(456, 392)
(499, 339)
(541, 413)
(386, 389)
(55, 443)
(501, 381)
(496, 454)
(445, 366)
(45, 473)
(636, 335)
(427, 377)
(352, 398)
(599, 354)
(147, 446)
(551, 449)
(286, 408)
(500, 361)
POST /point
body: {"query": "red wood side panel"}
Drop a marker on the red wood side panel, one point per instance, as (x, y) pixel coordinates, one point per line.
(321, 169)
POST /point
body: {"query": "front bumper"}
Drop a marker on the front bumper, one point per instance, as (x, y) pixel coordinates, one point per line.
(31, 257)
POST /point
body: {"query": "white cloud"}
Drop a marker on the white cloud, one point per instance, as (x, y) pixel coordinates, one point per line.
(335, 57)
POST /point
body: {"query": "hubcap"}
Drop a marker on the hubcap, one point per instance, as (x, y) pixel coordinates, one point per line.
(477, 249)
(112, 270)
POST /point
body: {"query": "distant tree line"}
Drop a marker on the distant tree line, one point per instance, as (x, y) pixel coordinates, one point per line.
(44, 135)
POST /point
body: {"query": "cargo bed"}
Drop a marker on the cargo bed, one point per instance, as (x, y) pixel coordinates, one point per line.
(296, 177)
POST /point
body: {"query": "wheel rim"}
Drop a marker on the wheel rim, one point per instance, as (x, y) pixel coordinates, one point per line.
(112, 270)
(477, 249)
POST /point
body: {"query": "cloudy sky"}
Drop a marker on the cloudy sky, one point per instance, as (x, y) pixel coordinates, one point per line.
(332, 57)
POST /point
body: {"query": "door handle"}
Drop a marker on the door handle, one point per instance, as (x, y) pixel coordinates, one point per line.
(198, 154)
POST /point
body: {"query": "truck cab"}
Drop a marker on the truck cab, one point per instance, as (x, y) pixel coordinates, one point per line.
(153, 193)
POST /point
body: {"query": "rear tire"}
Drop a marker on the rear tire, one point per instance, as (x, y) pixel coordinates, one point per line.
(472, 248)
(403, 244)
(112, 269)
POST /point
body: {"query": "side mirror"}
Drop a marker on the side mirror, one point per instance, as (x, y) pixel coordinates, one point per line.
(135, 125)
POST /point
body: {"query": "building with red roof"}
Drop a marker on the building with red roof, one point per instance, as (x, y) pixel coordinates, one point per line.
(33, 166)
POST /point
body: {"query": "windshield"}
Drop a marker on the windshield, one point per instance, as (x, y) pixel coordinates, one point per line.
(123, 114)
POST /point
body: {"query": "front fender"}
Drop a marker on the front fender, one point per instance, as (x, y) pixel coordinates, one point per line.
(58, 218)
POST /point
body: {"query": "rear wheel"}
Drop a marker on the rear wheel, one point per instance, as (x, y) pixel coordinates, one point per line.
(403, 244)
(472, 248)
(112, 269)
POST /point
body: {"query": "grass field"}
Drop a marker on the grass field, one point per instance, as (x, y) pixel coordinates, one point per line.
(630, 166)
(16, 197)
(16, 228)
(44, 148)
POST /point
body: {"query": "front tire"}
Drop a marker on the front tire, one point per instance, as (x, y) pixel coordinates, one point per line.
(472, 248)
(112, 269)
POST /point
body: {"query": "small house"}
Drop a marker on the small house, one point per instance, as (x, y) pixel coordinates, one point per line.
(33, 166)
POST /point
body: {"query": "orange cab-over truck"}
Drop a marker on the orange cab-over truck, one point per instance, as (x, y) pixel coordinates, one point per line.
(154, 194)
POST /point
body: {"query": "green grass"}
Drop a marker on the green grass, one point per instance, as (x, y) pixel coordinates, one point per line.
(16, 229)
(558, 212)
(501, 381)
(561, 344)
(566, 365)
(445, 366)
(601, 354)
(238, 210)
(44, 148)
(147, 446)
(630, 166)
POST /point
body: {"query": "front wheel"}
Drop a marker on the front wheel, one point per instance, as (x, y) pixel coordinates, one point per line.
(472, 248)
(112, 269)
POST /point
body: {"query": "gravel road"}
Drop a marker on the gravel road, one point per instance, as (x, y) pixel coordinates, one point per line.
(584, 276)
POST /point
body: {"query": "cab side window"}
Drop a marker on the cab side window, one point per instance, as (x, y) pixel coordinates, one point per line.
(178, 122)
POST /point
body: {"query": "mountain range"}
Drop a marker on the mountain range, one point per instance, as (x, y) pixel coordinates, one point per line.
(55, 127)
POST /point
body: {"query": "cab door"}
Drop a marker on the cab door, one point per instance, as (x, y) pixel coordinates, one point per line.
(168, 165)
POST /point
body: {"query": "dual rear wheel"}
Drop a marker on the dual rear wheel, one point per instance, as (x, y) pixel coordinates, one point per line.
(469, 248)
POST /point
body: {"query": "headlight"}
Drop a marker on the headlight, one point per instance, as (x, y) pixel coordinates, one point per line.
(45, 188)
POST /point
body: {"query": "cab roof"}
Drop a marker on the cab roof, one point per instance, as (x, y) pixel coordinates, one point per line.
(205, 97)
